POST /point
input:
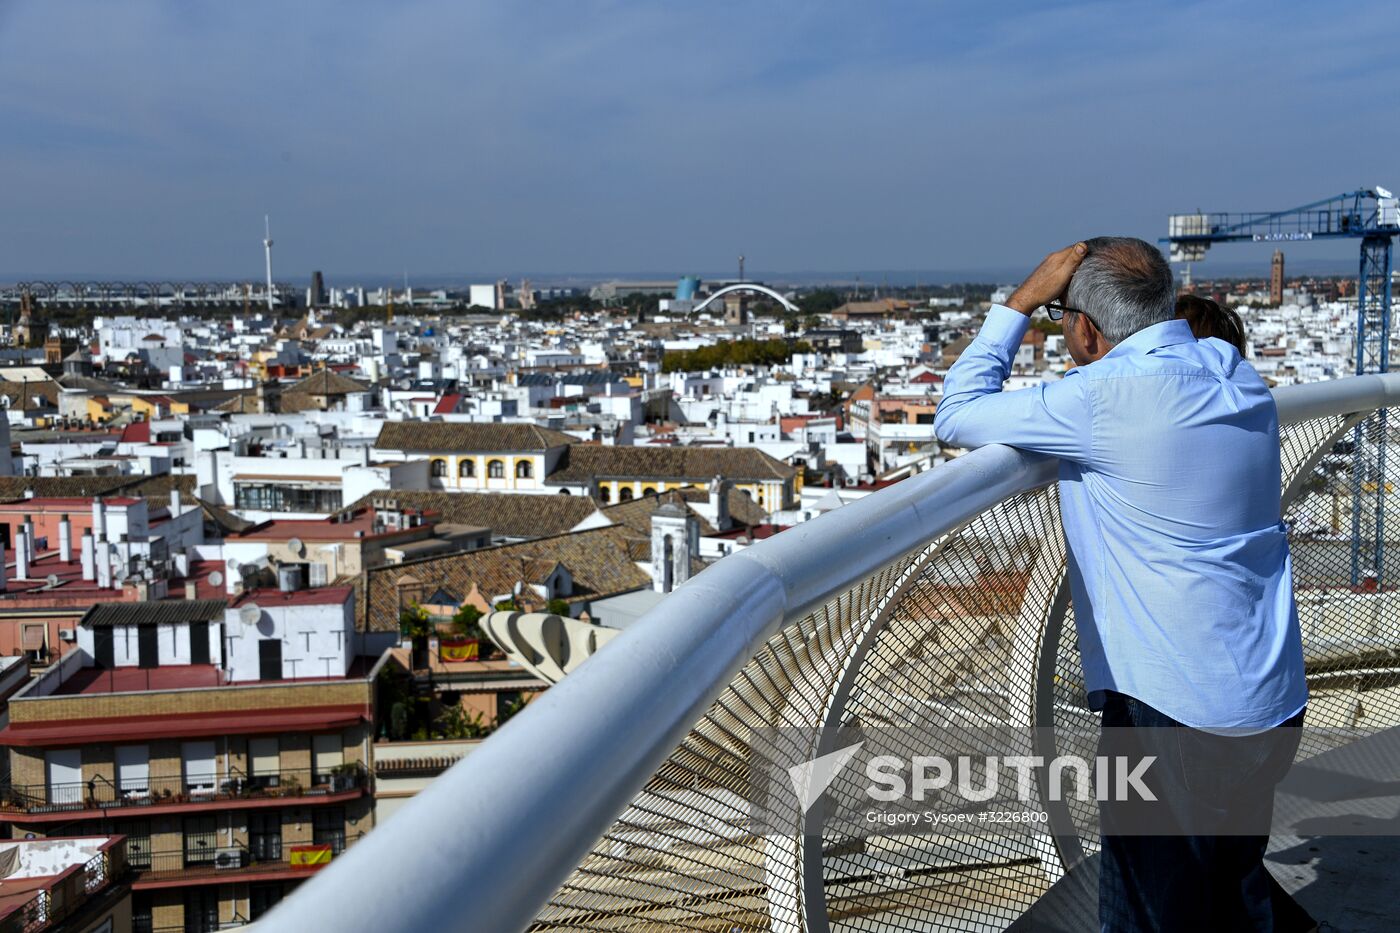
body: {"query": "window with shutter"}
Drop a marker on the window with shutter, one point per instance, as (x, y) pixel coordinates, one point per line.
(327, 754)
(198, 762)
(133, 770)
(264, 765)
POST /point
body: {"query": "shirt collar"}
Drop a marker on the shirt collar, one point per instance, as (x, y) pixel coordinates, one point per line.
(1161, 334)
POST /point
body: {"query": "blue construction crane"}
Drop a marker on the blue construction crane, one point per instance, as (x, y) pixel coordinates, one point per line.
(1371, 215)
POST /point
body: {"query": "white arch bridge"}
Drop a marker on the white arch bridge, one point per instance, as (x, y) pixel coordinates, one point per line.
(746, 287)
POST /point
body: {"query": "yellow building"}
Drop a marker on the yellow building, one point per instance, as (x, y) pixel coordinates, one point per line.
(477, 456)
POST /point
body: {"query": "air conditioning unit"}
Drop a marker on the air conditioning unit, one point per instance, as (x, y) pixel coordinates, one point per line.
(67, 634)
(231, 857)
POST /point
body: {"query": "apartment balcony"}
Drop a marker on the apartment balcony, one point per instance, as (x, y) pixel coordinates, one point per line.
(96, 799)
(75, 703)
(269, 860)
(621, 799)
(70, 891)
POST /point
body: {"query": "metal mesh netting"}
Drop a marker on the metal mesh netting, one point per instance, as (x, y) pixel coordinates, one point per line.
(681, 857)
(1346, 628)
(955, 630)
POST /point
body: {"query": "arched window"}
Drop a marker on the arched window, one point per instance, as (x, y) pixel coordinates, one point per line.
(626, 495)
(604, 495)
(439, 468)
(466, 468)
(648, 490)
(565, 492)
(524, 469)
(496, 469)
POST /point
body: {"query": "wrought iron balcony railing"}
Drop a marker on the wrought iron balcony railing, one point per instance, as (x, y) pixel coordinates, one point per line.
(67, 894)
(193, 789)
(219, 863)
(616, 801)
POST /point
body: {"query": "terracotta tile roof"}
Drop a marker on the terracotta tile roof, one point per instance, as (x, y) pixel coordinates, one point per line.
(742, 509)
(464, 437)
(326, 383)
(138, 432)
(150, 487)
(244, 403)
(512, 515)
(447, 404)
(27, 394)
(635, 515)
(586, 462)
(598, 560)
(160, 612)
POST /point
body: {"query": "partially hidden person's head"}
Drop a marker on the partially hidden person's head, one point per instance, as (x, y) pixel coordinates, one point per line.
(1208, 319)
(1122, 286)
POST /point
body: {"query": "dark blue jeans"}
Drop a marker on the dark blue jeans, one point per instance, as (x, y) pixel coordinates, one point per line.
(1193, 860)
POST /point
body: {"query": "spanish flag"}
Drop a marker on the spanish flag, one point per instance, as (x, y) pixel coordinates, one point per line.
(463, 650)
(311, 857)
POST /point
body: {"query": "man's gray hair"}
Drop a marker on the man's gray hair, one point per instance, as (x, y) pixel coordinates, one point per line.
(1123, 284)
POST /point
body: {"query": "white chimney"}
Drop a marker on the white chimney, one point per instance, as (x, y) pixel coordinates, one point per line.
(22, 554)
(89, 563)
(123, 559)
(65, 539)
(174, 502)
(719, 503)
(29, 537)
(99, 519)
(191, 590)
(102, 556)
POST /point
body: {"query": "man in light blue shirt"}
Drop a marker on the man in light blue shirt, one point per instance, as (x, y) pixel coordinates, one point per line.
(1178, 559)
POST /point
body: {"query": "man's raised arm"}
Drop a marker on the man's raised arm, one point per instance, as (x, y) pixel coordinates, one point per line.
(1051, 418)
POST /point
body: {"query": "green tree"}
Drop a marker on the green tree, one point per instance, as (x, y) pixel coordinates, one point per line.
(467, 622)
(821, 301)
(454, 722)
(398, 721)
(414, 622)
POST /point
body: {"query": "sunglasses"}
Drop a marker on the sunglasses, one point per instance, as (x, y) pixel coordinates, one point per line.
(1055, 311)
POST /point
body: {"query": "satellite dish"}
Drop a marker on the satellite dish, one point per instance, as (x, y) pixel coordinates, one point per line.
(51, 579)
(216, 579)
(250, 614)
(296, 547)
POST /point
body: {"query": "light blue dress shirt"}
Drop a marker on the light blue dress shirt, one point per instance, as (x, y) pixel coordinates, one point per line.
(1169, 494)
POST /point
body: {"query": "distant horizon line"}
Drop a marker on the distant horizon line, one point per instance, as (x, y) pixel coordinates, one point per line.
(871, 278)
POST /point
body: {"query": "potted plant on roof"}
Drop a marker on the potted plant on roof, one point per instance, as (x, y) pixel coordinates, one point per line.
(416, 626)
(343, 777)
(464, 644)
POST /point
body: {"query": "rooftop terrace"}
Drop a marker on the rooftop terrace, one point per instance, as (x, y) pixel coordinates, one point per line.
(620, 799)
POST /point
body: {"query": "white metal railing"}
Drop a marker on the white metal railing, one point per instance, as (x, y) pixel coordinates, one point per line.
(488, 843)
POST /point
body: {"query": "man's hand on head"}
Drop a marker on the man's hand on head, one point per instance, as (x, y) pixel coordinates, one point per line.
(1049, 281)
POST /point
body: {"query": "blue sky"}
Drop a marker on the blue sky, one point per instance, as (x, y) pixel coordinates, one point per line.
(572, 136)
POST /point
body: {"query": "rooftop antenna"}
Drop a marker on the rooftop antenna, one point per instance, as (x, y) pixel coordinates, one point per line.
(741, 267)
(267, 253)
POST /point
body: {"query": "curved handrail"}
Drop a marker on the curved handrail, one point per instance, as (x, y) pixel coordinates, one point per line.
(487, 843)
